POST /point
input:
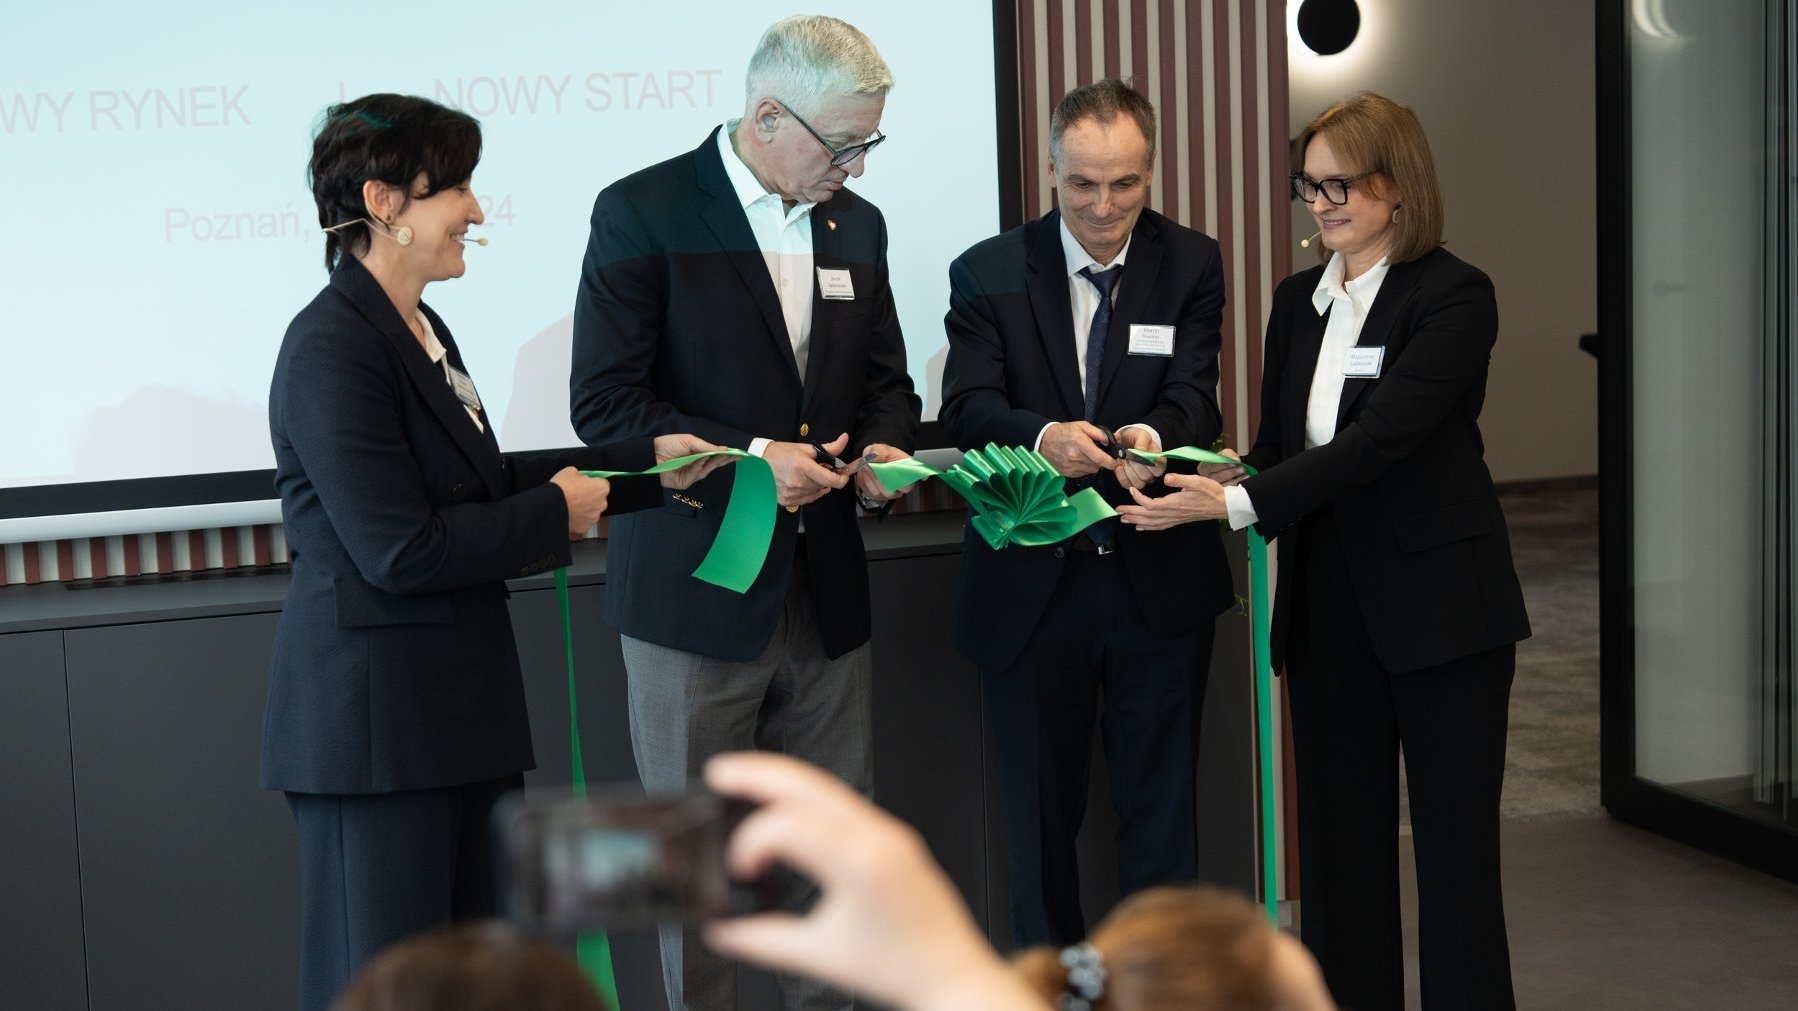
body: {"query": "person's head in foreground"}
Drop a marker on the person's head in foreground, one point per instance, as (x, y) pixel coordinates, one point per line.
(476, 967)
(1179, 949)
(891, 926)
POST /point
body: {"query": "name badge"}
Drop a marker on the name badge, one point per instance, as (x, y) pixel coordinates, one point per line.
(1151, 339)
(835, 284)
(464, 388)
(1363, 363)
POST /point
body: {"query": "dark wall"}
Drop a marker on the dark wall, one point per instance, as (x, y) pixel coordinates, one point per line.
(141, 868)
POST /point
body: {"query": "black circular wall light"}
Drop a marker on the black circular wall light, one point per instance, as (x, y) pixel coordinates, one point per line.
(1327, 27)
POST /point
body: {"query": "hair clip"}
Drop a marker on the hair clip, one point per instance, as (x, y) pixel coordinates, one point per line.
(1086, 977)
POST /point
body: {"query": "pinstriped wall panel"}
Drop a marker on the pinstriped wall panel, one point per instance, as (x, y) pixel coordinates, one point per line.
(1216, 71)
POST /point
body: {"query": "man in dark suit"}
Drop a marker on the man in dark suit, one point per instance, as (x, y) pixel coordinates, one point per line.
(1099, 318)
(741, 292)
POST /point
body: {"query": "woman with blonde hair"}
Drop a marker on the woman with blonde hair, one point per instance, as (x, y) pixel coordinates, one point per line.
(1178, 949)
(1397, 611)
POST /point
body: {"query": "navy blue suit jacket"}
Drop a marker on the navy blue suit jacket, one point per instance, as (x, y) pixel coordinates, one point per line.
(1012, 370)
(1422, 530)
(677, 328)
(394, 664)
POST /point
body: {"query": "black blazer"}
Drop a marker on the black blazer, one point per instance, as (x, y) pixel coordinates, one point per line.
(1405, 473)
(394, 664)
(1012, 369)
(677, 328)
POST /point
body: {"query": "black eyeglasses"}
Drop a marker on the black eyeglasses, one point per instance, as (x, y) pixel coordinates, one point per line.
(1334, 190)
(838, 155)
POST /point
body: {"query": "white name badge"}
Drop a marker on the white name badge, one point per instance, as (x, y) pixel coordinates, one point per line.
(1151, 339)
(835, 284)
(1363, 363)
(464, 388)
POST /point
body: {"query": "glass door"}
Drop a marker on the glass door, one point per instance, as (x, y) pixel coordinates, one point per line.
(1699, 421)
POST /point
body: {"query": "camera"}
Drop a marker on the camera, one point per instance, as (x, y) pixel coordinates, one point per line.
(617, 859)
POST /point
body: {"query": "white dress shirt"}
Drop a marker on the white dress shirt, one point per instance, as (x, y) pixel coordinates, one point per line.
(1347, 303)
(440, 356)
(1083, 295)
(785, 239)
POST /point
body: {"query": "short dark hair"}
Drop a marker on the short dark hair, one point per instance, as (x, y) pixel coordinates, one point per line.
(1101, 101)
(390, 138)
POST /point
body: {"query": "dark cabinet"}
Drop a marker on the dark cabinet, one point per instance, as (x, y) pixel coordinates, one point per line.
(141, 868)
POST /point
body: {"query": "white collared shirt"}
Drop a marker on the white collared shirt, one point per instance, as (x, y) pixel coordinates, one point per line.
(440, 356)
(1083, 296)
(785, 238)
(1347, 303)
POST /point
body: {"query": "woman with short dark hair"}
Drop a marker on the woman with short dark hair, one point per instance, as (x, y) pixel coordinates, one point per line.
(1398, 608)
(396, 712)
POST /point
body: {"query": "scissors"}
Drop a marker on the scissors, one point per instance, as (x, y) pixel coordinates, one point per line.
(833, 462)
(1111, 446)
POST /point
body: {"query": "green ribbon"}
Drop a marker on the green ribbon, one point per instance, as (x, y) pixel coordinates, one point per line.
(592, 948)
(1264, 676)
(734, 561)
(741, 547)
(1016, 496)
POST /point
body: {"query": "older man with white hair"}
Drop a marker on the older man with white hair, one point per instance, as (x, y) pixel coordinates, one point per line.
(740, 292)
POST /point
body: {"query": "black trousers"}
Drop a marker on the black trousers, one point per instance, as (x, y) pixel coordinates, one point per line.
(1349, 717)
(1092, 640)
(378, 868)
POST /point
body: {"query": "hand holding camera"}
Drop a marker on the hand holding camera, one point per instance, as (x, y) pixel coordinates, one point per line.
(889, 924)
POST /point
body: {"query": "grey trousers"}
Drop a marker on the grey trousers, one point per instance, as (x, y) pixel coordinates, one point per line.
(686, 707)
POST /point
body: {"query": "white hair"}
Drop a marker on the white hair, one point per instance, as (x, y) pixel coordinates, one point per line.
(807, 58)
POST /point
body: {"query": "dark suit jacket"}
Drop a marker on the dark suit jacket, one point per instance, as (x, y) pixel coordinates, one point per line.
(1012, 369)
(394, 664)
(1405, 473)
(677, 328)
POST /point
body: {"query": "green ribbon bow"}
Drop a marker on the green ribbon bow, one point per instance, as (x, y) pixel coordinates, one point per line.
(1016, 496)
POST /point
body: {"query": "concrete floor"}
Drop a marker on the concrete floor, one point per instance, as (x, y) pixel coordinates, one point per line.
(1600, 914)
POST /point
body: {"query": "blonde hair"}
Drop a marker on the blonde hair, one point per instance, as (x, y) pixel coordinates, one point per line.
(1172, 949)
(479, 967)
(1371, 134)
(808, 58)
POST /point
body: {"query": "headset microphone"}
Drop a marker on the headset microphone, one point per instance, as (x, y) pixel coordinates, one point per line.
(1306, 243)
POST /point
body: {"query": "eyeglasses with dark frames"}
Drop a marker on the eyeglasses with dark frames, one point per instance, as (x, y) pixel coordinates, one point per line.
(1335, 190)
(838, 155)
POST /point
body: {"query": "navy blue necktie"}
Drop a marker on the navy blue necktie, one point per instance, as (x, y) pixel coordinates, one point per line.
(1098, 533)
(1095, 338)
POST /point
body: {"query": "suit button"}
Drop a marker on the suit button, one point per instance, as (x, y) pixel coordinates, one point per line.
(1061, 552)
(804, 430)
(459, 492)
